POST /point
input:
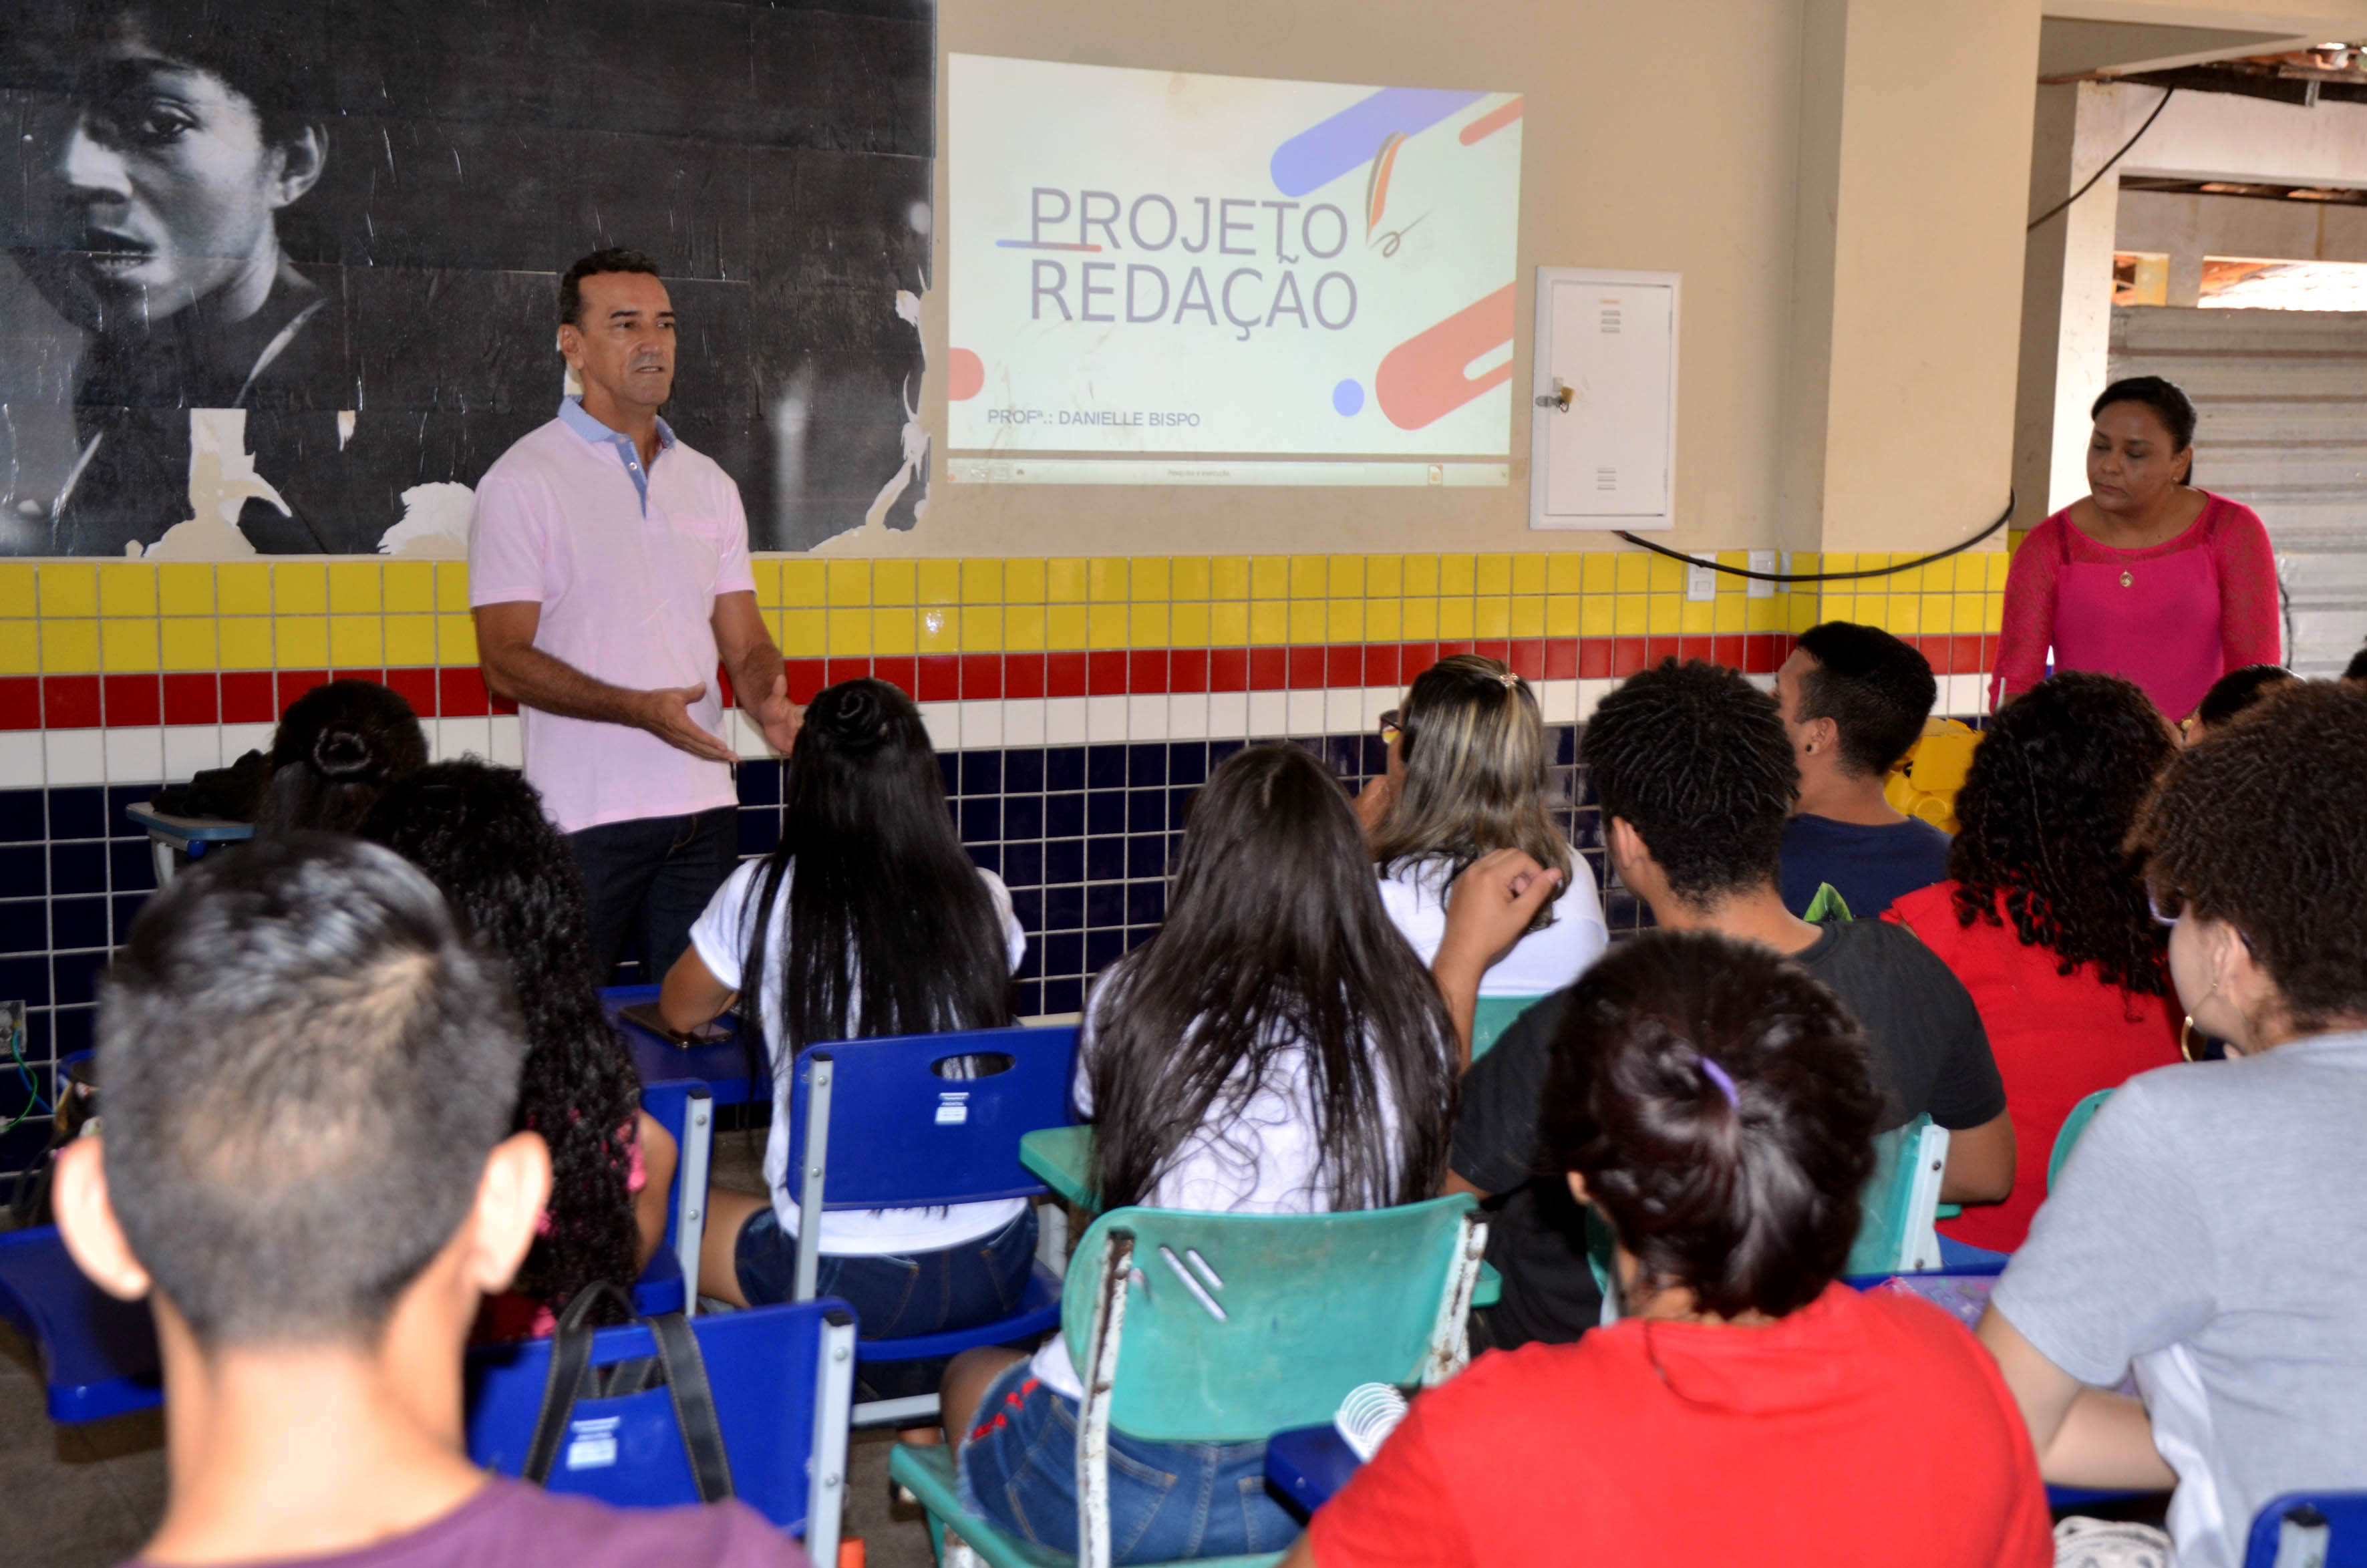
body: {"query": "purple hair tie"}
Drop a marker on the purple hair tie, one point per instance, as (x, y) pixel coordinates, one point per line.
(1722, 1079)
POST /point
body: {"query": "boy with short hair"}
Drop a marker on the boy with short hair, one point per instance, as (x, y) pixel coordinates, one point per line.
(307, 1167)
(1854, 699)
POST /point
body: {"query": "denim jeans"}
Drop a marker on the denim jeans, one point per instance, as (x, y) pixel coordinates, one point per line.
(1017, 1467)
(894, 1298)
(652, 878)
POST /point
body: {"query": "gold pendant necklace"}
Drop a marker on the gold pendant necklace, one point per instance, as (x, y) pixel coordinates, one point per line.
(2127, 581)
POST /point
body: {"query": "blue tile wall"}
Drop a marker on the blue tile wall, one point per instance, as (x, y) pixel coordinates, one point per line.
(1084, 837)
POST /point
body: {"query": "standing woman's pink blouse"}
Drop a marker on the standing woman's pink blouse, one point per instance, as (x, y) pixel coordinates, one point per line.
(2173, 617)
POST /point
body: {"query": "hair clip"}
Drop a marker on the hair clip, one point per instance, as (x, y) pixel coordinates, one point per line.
(1722, 1078)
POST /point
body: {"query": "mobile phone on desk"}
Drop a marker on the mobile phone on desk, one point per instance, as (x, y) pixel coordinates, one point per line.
(645, 1015)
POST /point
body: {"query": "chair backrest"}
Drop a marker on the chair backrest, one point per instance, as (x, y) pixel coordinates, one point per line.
(1492, 1017)
(1235, 1327)
(1894, 1233)
(2073, 1125)
(900, 1134)
(685, 1108)
(783, 1377)
(2286, 1533)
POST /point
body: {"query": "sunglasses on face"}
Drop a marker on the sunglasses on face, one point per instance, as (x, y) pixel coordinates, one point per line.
(1391, 725)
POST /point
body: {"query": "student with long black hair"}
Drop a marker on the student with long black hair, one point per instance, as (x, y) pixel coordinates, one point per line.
(1276, 1047)
(480, 833)
(870, 919)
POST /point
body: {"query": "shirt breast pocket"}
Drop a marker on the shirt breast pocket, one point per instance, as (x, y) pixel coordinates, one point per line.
(697, 542)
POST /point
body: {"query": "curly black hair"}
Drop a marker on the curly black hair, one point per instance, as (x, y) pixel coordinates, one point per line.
(2264, 826)
(479, 833)
(1696, 760)
(2235, 691)
(2054, 788)
(1721, 1106)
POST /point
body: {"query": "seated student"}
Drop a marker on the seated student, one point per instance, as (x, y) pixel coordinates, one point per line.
(2231, 694)
(1695, 777)
(2207, 1230)
(2045, 920)
(1713, 1102)
(1470, 764)
(308, 1169)
(480, 833)
(336, 748)
(868, 919)
(1854, 699)
(1275, 1048)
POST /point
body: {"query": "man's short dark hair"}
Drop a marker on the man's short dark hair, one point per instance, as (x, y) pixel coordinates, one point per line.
(306, 1065)
(1876, 689)
(1695, 758)
(2357, 668)
(614, 259)
(1751, 1204)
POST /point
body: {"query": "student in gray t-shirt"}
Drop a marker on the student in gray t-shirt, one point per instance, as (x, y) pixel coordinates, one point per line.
(2209, 1233)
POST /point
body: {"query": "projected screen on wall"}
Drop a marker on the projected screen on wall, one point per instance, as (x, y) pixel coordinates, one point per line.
(1164, 278)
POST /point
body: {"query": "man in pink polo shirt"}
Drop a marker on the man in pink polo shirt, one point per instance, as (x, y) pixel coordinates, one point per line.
(608, 570)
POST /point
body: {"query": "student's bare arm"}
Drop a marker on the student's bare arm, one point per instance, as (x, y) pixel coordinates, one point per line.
(757, 678)
(691, 995)
(1487, 909)
(659, 1156)
(516, 669)
(2085, 1437)
(1980, 1163)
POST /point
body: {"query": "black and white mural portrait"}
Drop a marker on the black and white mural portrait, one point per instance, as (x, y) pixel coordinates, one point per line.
(280, 275)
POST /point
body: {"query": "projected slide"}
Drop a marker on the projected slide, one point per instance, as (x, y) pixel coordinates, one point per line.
(1165, 279)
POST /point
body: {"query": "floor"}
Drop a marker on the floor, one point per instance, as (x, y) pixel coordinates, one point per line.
(87, 1497)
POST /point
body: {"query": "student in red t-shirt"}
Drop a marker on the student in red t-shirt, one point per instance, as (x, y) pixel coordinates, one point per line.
(1714, 1104)
(2044, 918)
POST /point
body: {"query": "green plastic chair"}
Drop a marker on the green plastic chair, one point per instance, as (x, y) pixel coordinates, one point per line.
(1493, 1017)
(1895, 1233)
(1226, 1329)
(2073, 1125)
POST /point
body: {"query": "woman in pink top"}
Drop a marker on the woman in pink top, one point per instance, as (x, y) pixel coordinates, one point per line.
(2149, 577)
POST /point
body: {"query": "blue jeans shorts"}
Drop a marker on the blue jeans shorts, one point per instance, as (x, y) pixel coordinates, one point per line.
(928, 1292)
(1168, 1501)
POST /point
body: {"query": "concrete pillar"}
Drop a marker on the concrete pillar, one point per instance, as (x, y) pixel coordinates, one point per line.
(1914, 170)
(2066, 296)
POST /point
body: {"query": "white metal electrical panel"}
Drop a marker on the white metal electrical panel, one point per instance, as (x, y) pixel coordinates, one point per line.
(1602, 428)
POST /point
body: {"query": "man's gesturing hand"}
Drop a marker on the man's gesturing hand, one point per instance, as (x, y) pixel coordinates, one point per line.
(779, 717)
(666, 715)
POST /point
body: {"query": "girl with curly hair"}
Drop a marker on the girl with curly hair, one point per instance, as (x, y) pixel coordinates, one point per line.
(480, 833)
(2043, 916)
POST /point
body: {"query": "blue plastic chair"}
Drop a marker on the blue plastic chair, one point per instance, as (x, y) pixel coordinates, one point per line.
(2310, 1530)
(1226, 1328)
(783, 1377)
(98, 1355)
(722, 1067)
(874, 1125)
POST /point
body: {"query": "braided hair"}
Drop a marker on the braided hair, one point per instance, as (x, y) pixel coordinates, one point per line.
(480, 833)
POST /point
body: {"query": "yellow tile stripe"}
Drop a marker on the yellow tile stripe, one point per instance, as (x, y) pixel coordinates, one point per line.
(130, 617)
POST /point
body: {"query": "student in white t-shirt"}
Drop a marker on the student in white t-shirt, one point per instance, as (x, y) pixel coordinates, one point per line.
(1275, 1048)
(1468, 760)
(871, 919)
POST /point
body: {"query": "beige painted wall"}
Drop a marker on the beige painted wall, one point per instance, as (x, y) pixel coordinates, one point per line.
(1656, 136)
(1660, 136)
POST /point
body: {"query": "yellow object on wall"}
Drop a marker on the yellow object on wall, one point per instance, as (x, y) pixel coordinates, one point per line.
(1925, 785)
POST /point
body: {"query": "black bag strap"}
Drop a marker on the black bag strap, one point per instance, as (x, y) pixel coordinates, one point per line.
(693, 1405)
(686, 1384)
(570, 1356)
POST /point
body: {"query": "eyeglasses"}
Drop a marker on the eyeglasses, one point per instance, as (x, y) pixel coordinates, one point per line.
(1391, 725)
(2166, 917)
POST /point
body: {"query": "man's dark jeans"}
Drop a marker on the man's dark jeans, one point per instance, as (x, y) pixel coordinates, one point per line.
(652, 878)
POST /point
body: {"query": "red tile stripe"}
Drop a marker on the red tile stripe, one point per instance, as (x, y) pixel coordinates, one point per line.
(256, 696)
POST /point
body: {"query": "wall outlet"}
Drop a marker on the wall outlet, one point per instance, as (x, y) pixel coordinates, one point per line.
(1761, 561)
(1701, 584)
